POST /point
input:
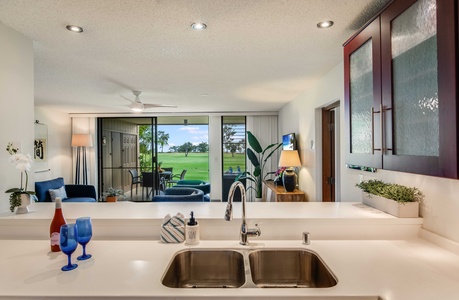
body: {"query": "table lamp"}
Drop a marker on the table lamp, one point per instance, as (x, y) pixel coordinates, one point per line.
(289, 159)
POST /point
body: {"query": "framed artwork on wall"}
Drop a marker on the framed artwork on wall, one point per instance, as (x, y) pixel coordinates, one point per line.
(40, 153)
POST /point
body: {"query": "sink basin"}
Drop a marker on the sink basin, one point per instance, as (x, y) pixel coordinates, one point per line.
(286, 268)
(205, 268)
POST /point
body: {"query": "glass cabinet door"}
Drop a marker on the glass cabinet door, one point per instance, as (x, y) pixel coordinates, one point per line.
(411, 102)
(363, 97)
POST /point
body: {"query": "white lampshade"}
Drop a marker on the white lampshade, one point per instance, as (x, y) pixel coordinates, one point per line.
(81, 140)
(289, 158)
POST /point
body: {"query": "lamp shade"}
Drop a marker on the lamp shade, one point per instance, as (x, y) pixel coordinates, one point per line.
(81, 140)
(289, 158)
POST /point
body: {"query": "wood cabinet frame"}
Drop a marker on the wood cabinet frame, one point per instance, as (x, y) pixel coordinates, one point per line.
(446, 164)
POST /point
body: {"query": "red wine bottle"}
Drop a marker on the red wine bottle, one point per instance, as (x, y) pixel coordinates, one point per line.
(55, 228)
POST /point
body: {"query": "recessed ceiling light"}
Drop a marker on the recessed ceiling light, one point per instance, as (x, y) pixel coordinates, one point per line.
(198, 26)
(74, 28)
(325, 24)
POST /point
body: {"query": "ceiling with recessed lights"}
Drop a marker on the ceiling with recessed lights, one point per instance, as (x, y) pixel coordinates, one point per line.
(254, 55)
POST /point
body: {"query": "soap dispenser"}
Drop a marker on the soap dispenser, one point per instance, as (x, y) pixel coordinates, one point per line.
(192, 231)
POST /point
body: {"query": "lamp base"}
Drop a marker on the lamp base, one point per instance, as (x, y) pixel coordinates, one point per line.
(289, 180)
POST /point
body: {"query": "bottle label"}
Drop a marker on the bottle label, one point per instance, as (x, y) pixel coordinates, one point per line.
(55, 239)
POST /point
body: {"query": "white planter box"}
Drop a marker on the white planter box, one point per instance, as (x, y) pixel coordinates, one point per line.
(401, 210)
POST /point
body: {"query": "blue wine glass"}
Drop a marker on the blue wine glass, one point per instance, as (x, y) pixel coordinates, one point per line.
(68, 243)
(84, 234)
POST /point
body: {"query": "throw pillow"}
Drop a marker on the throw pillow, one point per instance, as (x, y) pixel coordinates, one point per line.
(60, 192)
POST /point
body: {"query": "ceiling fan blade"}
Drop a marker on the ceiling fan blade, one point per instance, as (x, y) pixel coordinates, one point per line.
(158, 105)
(126, 98)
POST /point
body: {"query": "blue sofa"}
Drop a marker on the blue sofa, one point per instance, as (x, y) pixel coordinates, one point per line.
(75, 193)
(181, 195)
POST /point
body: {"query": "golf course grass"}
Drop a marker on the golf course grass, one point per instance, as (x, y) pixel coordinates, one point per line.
(197, 164)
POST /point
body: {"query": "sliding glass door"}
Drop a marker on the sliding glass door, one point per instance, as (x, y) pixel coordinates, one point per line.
(128, 150)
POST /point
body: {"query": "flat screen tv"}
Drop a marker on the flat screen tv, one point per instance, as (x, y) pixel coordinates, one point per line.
(288, 142)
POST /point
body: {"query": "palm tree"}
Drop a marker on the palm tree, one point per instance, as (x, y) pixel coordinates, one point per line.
(163, 139)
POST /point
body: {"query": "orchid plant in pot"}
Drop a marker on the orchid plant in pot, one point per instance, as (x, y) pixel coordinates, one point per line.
(20, 197)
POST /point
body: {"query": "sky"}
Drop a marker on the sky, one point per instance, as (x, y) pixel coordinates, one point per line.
(180, 134)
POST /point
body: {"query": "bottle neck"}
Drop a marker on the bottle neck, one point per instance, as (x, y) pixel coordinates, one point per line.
(58, 203)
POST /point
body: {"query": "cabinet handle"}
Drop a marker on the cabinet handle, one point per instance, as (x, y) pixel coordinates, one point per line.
(383, 146)
(373, 112)
(381, 112)
(381, 122)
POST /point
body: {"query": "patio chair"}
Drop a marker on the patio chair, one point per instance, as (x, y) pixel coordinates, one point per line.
(135, 179)
(174, 181)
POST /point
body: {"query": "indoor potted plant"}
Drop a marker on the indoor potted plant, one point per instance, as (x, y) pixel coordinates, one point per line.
(258, 157)
(111, 195)
(20, 197)
(395, 199)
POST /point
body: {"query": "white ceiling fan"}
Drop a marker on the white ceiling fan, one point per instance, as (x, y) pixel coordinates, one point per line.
(137, 105)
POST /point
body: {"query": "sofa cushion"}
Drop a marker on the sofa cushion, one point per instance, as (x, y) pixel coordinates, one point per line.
(79, 199)
(60, 192)
(42, 188)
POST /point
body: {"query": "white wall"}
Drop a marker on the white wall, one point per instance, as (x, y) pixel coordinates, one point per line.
(300, 116)
(440, 208)
(16, 106)
(59, 138)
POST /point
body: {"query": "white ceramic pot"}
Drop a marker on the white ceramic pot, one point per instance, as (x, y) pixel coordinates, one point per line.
(401, 210)
(25, 202)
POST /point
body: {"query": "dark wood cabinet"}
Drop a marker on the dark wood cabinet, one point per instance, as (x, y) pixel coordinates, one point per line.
(400, 89)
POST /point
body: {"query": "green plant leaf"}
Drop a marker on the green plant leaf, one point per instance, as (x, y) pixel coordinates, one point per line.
(273, 150)
(257, 171)
(253, 158)
(253, 142)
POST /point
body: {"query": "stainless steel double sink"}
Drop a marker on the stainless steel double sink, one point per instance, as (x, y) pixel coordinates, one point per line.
(235, 268)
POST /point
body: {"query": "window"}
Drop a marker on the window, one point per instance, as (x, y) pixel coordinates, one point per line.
(233, 145)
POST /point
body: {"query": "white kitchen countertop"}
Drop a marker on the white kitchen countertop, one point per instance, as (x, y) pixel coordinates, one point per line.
(371, 253)
(390, 269)
(141, 221)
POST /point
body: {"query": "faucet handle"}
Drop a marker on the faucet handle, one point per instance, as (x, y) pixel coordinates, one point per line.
(255, 231)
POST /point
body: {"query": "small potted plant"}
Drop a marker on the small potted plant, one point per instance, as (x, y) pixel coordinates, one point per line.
(111, 195)
(395, 199)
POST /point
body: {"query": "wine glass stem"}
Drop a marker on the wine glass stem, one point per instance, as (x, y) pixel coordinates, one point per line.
(84, 250)
(69, 260)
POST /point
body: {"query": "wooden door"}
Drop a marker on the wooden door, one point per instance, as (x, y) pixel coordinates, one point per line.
(329, 153)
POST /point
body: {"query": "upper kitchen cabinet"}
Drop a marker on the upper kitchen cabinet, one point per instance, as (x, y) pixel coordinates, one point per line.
(362, 64)
(400, 99)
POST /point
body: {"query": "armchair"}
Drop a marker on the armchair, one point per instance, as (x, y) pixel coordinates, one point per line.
(75, 193)
(180, 195)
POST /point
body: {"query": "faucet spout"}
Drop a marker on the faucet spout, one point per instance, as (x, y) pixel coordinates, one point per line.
(245, 231)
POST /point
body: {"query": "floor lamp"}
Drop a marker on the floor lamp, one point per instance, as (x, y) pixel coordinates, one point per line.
(81, 141)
